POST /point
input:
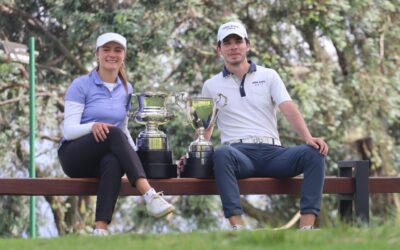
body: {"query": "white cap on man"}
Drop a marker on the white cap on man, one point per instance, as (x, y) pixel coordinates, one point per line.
(110, 37)
(230, 28)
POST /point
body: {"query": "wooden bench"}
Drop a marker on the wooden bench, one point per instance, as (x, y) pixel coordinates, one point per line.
(353, 185)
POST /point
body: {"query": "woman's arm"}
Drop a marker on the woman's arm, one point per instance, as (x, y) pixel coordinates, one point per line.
(73, 128)
(124, 128)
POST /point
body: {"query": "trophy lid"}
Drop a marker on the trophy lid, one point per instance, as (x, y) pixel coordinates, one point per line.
(200, 98)
(151, 100)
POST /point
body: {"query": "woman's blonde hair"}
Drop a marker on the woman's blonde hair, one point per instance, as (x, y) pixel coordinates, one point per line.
(123, 76)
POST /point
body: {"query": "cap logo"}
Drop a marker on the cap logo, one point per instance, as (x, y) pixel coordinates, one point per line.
(230, 27)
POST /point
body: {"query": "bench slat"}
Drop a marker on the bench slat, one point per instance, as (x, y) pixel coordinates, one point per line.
(384, 184)
(181, 186)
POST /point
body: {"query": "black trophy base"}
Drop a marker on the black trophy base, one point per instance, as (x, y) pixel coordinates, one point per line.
(194, 168)
(157, 164)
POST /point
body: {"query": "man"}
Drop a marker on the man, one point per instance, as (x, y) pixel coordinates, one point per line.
(248, 126)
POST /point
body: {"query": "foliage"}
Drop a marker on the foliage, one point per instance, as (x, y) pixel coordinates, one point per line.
(12, 207)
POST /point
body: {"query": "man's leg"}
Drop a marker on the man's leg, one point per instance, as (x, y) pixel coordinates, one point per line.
(307, 220)
(230, 164)
(292, 161)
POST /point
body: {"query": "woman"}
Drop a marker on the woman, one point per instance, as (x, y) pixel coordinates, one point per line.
(96, 140)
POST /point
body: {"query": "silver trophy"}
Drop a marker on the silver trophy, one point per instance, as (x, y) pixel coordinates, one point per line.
(152, 143)
(202, 114)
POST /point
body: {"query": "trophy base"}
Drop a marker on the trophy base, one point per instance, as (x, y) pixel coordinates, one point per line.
(194, 168)
(157, 164)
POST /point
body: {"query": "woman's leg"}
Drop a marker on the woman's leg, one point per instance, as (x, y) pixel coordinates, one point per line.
(142, 185)
(76, 154)
(81, 157)
(84, 157)
(117, 143)
(109, 173)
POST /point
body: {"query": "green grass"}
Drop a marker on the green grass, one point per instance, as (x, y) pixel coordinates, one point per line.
(377, 238)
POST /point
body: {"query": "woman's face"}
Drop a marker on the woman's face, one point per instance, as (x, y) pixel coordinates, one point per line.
(111, 56)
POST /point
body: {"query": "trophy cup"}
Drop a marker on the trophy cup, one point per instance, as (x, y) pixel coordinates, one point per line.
(152, 143)
(202, 114)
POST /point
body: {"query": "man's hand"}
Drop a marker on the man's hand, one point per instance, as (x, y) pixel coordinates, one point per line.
(318, 143)
(100, 130)
(293, 115)
(181, 162)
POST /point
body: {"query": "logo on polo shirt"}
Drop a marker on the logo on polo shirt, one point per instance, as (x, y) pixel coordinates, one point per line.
(258, 83)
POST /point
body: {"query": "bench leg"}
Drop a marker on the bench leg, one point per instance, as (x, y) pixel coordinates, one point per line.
(346, 208)
(361, 197)
(360, 170)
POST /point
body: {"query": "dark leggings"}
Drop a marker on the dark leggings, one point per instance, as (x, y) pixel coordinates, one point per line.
(108, 160)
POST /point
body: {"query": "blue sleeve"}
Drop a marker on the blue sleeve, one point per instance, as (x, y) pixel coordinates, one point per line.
(76, 91)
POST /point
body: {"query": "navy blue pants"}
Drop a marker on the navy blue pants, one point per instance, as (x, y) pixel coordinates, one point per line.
(240, 160)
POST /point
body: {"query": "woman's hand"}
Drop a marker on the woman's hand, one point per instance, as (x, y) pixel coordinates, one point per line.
(100, 130)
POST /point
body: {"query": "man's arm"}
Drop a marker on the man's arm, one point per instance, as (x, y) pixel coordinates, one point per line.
(208, 132)
(293, 115)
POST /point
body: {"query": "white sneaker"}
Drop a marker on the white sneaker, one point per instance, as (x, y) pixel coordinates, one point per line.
(158, 207)
(100, 232)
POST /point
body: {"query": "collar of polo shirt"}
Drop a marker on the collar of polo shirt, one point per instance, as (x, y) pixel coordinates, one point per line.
(96, 78)
(253, 68)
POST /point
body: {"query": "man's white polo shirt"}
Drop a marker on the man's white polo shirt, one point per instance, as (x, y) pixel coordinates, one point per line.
(250, 111)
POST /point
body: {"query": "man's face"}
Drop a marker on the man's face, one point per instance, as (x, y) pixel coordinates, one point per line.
(234, 49)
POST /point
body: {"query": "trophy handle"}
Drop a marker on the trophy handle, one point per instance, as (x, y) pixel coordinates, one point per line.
(180, 100)
(170, 116)
(134, 108)
(215, 112)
